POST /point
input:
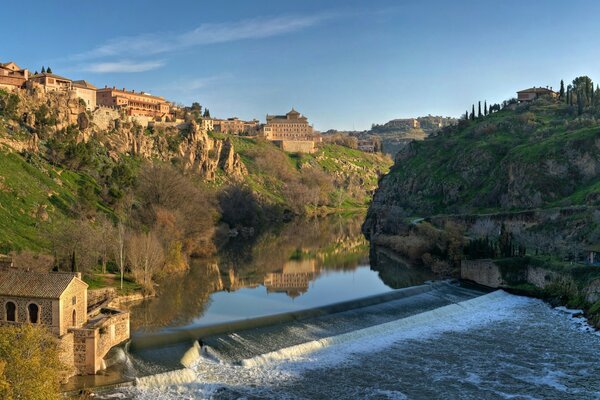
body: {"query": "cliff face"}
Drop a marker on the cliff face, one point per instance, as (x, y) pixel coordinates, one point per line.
(37, 117)
(530, 156)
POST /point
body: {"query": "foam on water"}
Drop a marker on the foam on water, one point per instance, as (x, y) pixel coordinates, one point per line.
(427, 343)
(463, 315)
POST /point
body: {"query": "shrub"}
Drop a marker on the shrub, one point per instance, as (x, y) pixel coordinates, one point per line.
(32, 368)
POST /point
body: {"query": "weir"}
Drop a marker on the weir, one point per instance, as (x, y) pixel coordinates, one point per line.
(190, 335)
(236, 341)
(163, 358)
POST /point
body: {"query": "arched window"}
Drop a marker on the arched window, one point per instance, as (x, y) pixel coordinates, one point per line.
(74, 318)
(11, 311)
(34, 313)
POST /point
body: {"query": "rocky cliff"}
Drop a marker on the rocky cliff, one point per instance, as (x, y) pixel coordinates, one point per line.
(36, 117)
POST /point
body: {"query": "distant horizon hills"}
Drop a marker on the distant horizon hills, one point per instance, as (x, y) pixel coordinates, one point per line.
(398, 132)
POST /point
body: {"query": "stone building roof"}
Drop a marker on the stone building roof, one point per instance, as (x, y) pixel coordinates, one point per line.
(84, 84)
(8, 64)
(62, 78)
(538, 90)
(47, 285)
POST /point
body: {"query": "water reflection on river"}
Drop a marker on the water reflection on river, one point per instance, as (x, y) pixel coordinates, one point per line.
(302, 264)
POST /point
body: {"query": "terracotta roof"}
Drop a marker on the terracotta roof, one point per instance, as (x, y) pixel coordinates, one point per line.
(84, 84)
(537, 90)
(48, 285)
(52, 76)
(8, 63)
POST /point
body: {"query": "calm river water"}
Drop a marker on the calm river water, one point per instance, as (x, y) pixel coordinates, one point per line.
(444, 342)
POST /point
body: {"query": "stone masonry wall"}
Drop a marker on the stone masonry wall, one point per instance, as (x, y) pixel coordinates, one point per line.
(483, 272)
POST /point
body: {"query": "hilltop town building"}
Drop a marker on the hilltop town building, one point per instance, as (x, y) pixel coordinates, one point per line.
(135, 104)
(235, 126)
(51, 82)
(12, 76)
(533, 93)
(406, 123)
(59, 301)
(207, 124)
(291, 132)
(87, 92)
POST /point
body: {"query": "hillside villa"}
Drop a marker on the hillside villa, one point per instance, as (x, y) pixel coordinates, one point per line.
(59, 302)
(533, 93)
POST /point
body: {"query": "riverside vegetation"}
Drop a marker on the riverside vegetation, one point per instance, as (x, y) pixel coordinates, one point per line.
(520, 184)
(78, 195)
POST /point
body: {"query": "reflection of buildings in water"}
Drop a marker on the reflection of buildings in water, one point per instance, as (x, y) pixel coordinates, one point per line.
(294, 278)
(235, 282)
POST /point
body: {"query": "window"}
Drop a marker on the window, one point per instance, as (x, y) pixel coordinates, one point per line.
(74, 300)
(74, 318)
(34, 313)
(11, 311)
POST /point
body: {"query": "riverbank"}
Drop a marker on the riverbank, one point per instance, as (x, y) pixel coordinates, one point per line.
(560, 284)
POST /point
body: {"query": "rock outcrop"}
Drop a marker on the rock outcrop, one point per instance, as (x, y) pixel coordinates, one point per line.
(41, 115)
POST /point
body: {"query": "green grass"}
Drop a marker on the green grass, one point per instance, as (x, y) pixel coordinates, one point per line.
(98, 281)
(26, 187)
(541, 148)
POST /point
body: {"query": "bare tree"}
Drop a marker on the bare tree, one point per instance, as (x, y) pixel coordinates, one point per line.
(145, 255)
(119, 249)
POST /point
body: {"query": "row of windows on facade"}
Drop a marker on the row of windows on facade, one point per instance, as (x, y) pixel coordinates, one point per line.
(33, 313)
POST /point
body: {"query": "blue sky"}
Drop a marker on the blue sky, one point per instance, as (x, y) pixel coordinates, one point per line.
(343, 63)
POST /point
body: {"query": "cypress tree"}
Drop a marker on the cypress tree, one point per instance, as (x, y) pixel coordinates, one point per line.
(473, 112)
(562, 89)
(43, 70)
(73, 263)
(485, 108)
(48, 70)
(479, 110)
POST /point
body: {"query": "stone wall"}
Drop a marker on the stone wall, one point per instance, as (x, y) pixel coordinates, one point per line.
(76, 293)
(483, 272)
(104, 117)
(97, 296)
(45, 311)
(296, 146)
(67, 354)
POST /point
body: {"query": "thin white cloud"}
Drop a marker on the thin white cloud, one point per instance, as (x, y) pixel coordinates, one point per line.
(122, 66)
(205, 34)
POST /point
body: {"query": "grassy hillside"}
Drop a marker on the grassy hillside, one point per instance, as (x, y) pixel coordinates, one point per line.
(525, 156)
(345, 178)
(33, 194)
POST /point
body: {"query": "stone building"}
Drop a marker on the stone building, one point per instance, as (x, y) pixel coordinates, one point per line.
(51, 82)
(207, 124)
(535, 92)
(58, 301)
(87, 92)
(134, 104)
(12, 76)
(291, 132)
(235, 126)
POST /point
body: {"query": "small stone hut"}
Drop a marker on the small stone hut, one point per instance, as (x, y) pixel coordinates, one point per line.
(58, 301)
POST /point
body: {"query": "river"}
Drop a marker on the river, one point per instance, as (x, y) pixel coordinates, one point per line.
(430, 341)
